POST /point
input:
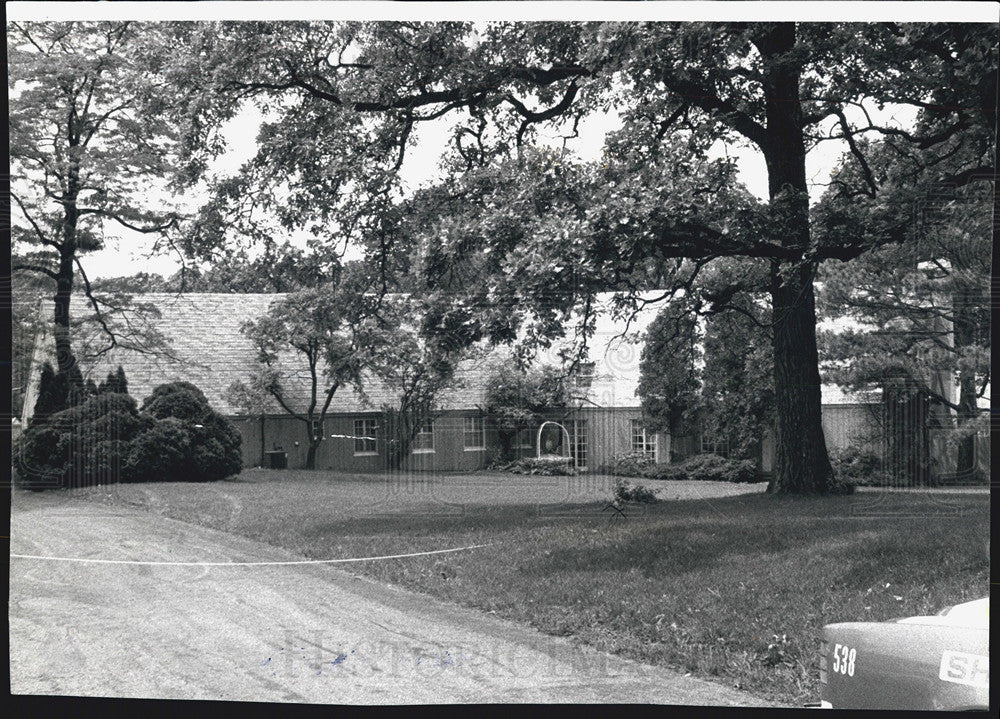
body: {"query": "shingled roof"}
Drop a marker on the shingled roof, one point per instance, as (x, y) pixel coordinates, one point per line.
(205, 346)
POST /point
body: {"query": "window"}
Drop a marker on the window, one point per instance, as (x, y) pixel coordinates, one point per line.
(643, 441)
(526, 438)
(364, 436)
(424, 441)
(582, 379)
(475, 433)
(316, 429)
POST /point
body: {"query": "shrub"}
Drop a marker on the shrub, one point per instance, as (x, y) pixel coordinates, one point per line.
(191, 442)
(180, 400)
(159, 452)
(630, 464)
(708, 468)
(81, 445)
(625, 492)
(544, 466)
(858, 465)
(106, 439)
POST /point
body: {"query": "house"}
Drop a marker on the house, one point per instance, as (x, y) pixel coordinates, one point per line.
(204, 345)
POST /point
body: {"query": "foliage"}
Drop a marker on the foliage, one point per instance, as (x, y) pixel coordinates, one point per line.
(414, 354)
(543, 466)
(106, 439)
(859, 466)
(625, 492)
(518, 399)
(196, 444)
(114, 384)
(329, 330)
(630, 464)
(921, 307)
(89, 140)
(669, 377)
(738, 377)
(706, 468)
(529, 235)
(80, 446)
(53, 392)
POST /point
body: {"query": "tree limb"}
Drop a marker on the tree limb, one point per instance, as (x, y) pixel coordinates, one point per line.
(856, 151)
(26, 266)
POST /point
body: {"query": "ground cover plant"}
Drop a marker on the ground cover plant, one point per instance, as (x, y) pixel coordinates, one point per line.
(543, 466)
(704, 467)
(717, 580)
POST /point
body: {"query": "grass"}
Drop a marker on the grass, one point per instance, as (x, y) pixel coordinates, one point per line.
(721, 581)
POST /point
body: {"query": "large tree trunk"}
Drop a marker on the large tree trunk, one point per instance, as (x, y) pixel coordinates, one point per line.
(64, 289)
(801, 462)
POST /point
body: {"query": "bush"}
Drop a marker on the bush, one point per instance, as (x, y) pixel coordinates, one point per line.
(858, 466)
(79, 446)
(707, 468)
(625, 492)
(191, 442)
(544, 466)
(180, 400)
(631, 464)
(106, 439)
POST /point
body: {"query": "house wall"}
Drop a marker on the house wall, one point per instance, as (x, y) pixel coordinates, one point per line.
(608, 433)
(282, 432)
(846, 425)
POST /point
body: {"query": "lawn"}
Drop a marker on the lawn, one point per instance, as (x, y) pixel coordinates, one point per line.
(719, 580)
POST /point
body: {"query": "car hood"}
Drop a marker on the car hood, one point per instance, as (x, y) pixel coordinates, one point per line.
(968, 614)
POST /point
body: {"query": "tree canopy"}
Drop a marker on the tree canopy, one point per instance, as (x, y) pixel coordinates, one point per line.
(543, 233)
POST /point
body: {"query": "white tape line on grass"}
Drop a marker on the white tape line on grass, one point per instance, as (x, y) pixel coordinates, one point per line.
(246, 564)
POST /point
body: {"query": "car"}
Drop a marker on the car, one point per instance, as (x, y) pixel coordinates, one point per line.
(916, 663)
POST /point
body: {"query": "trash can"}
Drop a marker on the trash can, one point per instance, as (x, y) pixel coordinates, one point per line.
(277, 459)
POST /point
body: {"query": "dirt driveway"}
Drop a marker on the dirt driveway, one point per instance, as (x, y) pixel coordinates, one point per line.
(293, 633)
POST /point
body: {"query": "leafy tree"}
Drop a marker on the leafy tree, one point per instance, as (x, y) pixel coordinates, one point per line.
(669, 374)
(716, 373)
(544, 234)
(88, 134)
(921, 307)
(518, 399)
(737, 388)
(327, 328)
(415, 359)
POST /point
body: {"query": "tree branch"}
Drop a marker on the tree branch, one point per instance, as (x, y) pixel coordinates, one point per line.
(702, 97)
(34, 225)
(856, 151)
(26, 266)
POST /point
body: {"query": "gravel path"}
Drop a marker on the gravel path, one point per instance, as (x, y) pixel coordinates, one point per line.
(300, 633)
